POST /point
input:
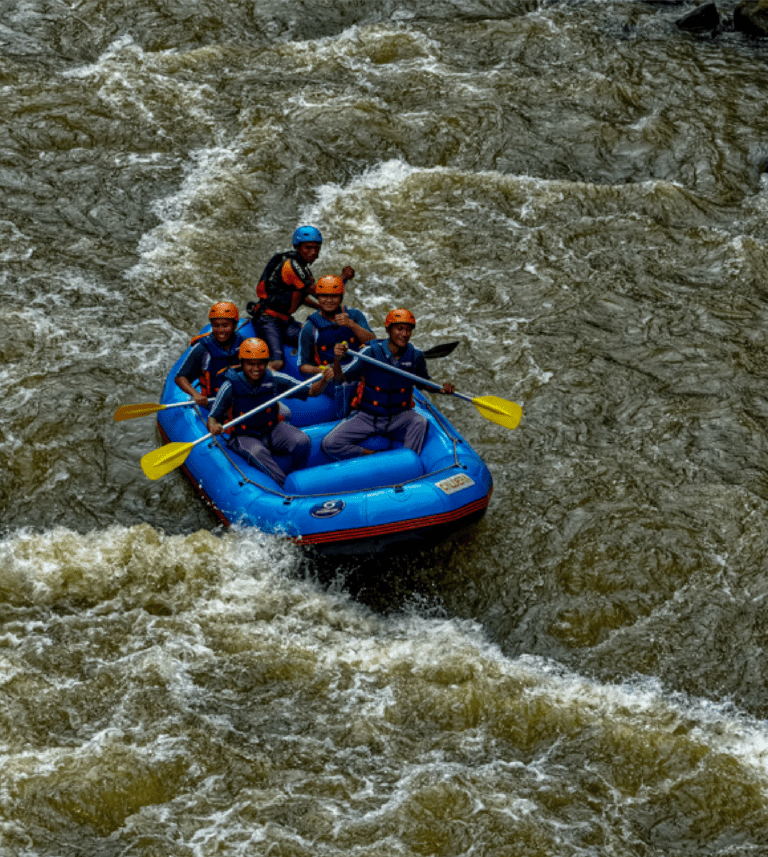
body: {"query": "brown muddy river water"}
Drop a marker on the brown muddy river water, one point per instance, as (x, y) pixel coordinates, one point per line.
(572, 190)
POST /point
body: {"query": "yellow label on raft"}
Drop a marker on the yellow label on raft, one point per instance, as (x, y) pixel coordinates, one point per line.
(455, 483)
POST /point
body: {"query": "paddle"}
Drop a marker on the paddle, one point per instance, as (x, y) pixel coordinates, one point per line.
(130, 412)
(493, 408)
(440, 350)
(161, 461)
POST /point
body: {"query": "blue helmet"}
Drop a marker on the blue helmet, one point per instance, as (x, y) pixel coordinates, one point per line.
(306, 233)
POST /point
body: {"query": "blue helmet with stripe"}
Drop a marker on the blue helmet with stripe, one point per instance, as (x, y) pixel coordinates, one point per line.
(306, 233)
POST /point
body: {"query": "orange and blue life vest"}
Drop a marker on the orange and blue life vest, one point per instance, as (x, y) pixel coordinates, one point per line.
(217, 361)
(327, 334)
(383, 393)
(283, 285)
(245, 398)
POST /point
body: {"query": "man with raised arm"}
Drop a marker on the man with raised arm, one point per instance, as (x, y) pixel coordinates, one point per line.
(287, 283)
(331, 324)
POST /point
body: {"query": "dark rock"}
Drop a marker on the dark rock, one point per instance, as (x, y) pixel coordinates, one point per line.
(751, 16)
(706, 17)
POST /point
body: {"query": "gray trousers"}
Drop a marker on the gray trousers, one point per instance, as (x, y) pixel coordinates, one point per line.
(343, 441)
(284, 439)
(342, 395)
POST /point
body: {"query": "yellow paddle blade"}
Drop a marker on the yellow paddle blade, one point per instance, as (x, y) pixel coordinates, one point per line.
(161, 461)
(498, 410)
(130, 412)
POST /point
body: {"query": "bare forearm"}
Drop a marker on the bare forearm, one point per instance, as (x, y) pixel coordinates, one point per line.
(338, 375)
(360, 332)
(321, 383)
(185, 385)
(310, 369)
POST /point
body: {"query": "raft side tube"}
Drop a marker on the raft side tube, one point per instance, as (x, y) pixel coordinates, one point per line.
(392, 467)
(317, 433)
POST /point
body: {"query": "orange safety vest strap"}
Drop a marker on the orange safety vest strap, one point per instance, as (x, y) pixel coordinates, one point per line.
(358, 395)
(275, 314)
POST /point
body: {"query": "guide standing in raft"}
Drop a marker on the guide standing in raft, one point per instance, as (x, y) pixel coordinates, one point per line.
(384, 400)
(285, 285)
(262, 434)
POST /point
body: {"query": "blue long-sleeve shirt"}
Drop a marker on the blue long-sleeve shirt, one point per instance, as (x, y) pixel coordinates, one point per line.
(283, 382)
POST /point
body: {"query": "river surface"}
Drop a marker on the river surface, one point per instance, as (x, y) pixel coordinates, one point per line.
(571, 189)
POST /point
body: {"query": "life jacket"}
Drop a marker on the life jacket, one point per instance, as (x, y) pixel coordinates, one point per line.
(327, 334)
(283, 285)
(246, 398)
(382, 393)
(216, 362)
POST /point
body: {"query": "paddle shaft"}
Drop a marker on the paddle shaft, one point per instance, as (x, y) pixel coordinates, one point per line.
(433, 384)
(256, 410)
(144, 409)
(493, 408)
(184, 404)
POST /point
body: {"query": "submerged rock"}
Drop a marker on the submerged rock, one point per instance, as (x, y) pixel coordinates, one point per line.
(705, 17)
(751, 16)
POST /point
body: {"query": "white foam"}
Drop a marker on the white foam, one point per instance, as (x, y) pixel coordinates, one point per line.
(235, 600)
(15, 246)
(119, 45)
(125, 72)
(168, 243)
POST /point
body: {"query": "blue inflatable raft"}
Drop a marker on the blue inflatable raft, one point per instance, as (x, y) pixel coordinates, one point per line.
(360, 505)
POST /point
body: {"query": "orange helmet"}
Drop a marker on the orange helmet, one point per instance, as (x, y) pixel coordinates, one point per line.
(224, 309)
(253, 349)
(400, 316)
(329, 286)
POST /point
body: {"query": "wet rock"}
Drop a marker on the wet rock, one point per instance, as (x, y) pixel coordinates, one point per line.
(751, 16)
(704, 18)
